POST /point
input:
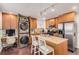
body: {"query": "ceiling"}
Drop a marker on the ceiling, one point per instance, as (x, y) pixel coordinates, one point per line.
(33, 9)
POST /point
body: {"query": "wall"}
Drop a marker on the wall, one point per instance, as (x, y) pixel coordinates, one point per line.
(0, 26)
(41, 23)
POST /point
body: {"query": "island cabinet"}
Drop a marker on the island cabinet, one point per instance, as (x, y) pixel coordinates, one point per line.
(59, 49)
(60, 45)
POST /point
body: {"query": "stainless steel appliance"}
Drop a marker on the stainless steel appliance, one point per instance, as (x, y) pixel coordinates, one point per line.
(70, 33)
(69, 29)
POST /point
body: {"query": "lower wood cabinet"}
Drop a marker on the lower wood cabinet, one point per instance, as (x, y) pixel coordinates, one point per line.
(59, 49)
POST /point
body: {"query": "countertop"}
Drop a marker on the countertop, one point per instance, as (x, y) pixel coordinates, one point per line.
(53, 39)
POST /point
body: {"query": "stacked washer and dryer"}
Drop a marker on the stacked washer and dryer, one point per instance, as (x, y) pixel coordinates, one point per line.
(23, 31)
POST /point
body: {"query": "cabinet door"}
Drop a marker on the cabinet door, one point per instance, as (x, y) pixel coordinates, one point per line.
(33, 23)
(14, 22)
(6, 21)
(50, 22)
(10, 21)
(47, 23)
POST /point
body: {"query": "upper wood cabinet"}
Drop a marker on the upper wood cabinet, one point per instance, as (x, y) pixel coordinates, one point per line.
(33, 23)
(6, 21)
(9, 21)
(14, 22)
(50, 22)
(68, 17)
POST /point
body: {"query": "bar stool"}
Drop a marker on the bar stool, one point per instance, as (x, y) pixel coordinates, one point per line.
(43, 48)
(34, 46)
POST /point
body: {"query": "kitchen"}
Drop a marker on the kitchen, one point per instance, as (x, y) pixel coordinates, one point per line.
(56, 23)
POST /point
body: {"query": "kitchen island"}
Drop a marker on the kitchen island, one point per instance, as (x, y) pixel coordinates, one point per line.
(60, 45)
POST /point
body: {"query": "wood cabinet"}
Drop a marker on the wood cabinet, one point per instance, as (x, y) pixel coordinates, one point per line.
(67, 17)
(9, 21)
(33, 23)
(14, 22)
(50, 22)
(59, 49)
(5, 21)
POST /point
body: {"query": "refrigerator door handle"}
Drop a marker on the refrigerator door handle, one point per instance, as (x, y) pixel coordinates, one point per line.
(74, 34)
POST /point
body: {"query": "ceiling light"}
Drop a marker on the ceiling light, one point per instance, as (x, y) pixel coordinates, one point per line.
(74, 7)
(53, 10)
(43, 18)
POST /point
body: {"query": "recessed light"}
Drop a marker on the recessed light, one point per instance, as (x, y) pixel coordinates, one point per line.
(52, 10)
(74, 7)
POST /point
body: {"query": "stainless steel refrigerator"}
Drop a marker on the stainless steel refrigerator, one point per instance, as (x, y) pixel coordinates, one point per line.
(70, 29)
(70, 33)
